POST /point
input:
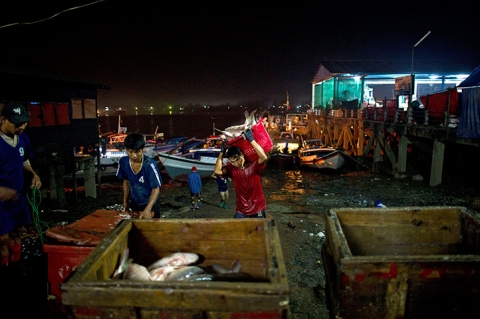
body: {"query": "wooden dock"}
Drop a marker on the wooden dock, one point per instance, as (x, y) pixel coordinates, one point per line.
(385, 134)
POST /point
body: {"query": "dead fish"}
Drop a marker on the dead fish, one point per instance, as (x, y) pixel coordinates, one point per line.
(123, 264)
(221, 269)
(137, 272)
(232, 277)
(236, 130)
(160, 273)
(173, 273)
(184, 272)
(175, 259)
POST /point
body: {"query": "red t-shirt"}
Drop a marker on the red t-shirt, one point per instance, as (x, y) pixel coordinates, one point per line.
(248, 187)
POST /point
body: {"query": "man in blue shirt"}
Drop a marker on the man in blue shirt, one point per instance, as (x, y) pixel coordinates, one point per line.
(15, 150)
(141, 179)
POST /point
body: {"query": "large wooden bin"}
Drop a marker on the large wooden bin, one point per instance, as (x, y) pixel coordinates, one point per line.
(91, 293)
(411, 262)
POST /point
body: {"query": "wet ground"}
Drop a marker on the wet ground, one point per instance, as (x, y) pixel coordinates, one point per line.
(296, 199)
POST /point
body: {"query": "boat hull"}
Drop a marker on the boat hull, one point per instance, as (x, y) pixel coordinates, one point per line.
(323, 158)
(181, 164)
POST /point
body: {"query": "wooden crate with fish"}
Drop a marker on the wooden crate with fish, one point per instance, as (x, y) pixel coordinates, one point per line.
(408, 262)
(183, 268)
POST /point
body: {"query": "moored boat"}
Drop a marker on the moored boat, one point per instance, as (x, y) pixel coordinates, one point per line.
(179, 163)
(314, 154)
(168, 144)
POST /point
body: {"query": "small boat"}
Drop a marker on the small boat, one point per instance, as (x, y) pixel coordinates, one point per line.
(283, 152)
(166, 145)
(111, 158)
(314, 154)
(179, 163)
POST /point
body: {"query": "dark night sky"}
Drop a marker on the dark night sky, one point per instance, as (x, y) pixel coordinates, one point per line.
(155, 52)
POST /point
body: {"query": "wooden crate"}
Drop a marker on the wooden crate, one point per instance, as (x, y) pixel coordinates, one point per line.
(91, 293)
(409, 262)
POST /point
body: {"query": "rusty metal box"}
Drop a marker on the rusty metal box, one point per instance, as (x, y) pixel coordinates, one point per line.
(409, 262)
(92, 293)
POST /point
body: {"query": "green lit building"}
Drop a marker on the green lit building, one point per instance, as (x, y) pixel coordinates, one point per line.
(355, 84)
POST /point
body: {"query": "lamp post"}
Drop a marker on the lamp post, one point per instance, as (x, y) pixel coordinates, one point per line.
(412, 82)
(413, 49)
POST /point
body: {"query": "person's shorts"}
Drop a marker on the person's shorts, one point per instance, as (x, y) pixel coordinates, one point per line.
(257, 215)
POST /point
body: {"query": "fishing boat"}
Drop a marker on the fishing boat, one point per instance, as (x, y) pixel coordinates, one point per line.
(166, 145)
(114, 144)
(313, 154)
(284, 148)
(111, 158)
(177, 164)
(181, 146)
(284, 144)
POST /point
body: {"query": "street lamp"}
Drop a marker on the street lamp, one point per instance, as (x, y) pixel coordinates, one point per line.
(413, 49)
(412, 81)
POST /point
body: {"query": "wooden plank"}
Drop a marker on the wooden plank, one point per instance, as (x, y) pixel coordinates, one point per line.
(113, 312)
(336, 241)
(390, 216)
(229, 296)
(209, 248)
(372, 238)
(277, 273)
(217, 224)
(89, 267)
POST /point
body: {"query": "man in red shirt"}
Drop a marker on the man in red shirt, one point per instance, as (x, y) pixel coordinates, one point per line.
(250, 201)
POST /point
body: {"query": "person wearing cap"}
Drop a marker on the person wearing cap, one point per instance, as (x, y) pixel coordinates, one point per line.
(141, 179)
(194, 183)
(250, 201)
(16, 152)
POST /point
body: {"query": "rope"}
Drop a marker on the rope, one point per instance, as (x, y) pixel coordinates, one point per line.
(32, 200)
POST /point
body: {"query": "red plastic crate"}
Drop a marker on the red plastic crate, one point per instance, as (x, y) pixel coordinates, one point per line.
(262, 138)
(62, 260)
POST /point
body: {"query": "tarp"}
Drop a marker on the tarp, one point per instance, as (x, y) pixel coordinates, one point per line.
(91, 229)
(472, 80)
(469, 125)
(439, 103)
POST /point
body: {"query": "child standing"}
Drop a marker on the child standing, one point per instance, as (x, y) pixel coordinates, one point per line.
(141, 179)
(194, 183)
(222, 189)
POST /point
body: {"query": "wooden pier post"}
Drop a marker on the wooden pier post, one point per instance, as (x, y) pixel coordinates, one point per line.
(437, 163)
